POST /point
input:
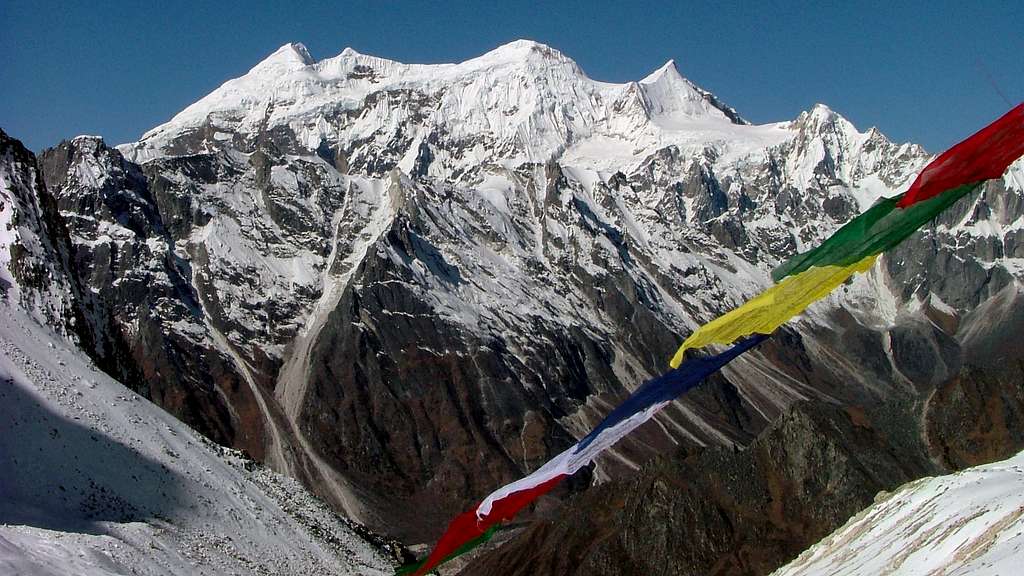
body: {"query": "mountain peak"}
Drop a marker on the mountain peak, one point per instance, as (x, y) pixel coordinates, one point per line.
(522, 49)
(820, 116)
(289, 56)
(670, 94)
(523, 45)
(668, 70)
(821, 110)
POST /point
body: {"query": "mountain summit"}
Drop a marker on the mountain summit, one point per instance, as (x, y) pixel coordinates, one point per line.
(524, 101)
(290, 56)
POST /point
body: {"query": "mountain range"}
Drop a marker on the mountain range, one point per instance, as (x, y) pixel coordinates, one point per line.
(406, 285)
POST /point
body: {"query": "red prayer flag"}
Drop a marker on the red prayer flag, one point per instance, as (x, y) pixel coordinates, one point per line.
(983, 156)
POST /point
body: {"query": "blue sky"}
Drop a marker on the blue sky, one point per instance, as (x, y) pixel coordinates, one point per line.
(928, 72)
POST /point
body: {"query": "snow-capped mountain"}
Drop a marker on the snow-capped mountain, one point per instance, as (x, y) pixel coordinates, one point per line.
(971, 522)
(523, 102)
(405, 285)
(98, 481)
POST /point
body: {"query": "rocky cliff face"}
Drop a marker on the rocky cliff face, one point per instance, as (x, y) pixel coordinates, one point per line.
(406, 285)
(142, 300)
(33, 241)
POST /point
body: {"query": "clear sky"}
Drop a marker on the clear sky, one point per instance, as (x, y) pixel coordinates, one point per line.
(928, 72)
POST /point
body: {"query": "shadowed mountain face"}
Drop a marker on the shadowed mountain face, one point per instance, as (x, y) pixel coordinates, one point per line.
(407, 285)
(718, 511)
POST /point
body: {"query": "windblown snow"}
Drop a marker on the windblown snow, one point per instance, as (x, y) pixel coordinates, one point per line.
(98, 481)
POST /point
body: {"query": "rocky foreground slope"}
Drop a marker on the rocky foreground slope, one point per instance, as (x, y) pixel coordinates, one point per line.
(406, 285)
(719, 510)
(971, 522)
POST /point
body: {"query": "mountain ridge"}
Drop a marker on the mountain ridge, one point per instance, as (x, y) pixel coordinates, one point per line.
(496, 78)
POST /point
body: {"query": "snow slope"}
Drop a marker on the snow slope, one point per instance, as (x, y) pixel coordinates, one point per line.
(971, 522)
(98, 481)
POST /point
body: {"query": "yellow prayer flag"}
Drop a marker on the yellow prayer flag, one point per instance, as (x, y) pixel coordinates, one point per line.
(773, 307)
